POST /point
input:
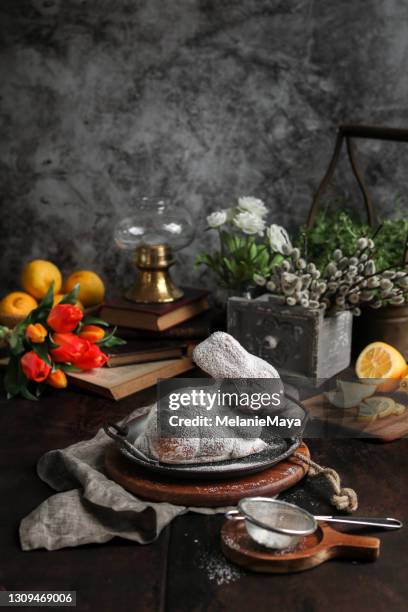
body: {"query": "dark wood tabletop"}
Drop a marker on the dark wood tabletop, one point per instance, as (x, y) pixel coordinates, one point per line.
(184, 570)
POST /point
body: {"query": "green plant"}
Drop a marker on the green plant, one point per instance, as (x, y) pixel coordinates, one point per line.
(239, 259)
(248, 248)
(340, 229)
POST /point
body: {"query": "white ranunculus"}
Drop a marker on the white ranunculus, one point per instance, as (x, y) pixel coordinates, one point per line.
(252, 205)
(216, 219)
(278, 237)
(249, 223)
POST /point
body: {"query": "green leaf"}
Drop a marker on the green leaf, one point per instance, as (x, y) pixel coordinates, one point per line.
(27, 394)
(68, 367)
(89, 320)
(72, 296)
(48, 299)
(277, 259)
(40, 388)
(40, 314)
(42, 351)
(253, 251)
(14, 378)
(112, 341)
(17, 337)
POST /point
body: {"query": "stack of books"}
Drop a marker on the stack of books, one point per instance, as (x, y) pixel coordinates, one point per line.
(159, 342)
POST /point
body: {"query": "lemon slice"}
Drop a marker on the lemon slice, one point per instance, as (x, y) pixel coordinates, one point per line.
(349, 394)
(399, 409)
(384, 406)
(366, 413)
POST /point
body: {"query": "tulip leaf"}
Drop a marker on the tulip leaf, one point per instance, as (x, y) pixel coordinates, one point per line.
(27, 394)
(68, 367)
(14, 379)
(110, 340)
(16, 341)
(72, 296)
(90, 320)
(42, 351)
(40, 388)
(48, 300)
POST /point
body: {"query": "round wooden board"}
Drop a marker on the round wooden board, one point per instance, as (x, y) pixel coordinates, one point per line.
(326, 543)
(208, 493)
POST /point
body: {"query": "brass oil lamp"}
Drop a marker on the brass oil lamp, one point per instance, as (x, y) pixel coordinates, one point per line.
(157, 229)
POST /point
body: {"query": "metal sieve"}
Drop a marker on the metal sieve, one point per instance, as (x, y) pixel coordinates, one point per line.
(280, 525)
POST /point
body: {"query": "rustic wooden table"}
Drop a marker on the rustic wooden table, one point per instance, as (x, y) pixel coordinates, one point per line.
(184, 569)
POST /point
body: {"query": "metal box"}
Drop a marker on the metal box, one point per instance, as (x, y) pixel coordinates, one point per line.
(298, 342)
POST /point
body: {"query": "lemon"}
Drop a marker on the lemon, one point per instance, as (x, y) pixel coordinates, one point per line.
(37, 277)
(382, 363)
(17, 304)
(92, 289)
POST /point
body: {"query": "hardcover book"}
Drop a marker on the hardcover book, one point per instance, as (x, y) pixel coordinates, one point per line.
(142, 351)
(197, 328)
(117, 383)
(155, 317)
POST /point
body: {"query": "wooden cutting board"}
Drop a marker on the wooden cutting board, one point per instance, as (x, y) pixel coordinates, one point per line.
(386, 430)
(203, 493)
(324, 544)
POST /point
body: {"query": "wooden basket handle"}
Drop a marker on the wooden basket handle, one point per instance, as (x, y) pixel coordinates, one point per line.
(347, 132)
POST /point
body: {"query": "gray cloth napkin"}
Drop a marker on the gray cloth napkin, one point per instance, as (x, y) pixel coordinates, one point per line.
(90, 507)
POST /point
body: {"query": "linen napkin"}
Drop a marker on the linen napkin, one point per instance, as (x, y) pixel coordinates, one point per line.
(89, 507)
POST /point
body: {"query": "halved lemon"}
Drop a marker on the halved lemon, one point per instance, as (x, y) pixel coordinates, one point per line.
(381, 362)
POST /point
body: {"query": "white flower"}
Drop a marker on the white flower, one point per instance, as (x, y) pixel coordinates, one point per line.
(216, 219)
(252, 205)
(278, 237)
(248, 223)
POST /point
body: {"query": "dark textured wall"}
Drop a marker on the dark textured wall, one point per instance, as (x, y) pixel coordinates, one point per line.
(204, 100)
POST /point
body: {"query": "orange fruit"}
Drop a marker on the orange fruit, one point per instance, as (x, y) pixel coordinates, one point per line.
(92, 289)
(37, 277)
(17, 304)
(382, 362)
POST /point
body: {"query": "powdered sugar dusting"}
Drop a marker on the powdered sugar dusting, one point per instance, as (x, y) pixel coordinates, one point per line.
(218, 569)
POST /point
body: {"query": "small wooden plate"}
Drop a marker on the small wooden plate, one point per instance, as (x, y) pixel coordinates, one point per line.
(203, 493)
(324, 544)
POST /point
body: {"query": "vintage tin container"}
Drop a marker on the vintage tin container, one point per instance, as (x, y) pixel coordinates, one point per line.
(388, 324)
(298, 342)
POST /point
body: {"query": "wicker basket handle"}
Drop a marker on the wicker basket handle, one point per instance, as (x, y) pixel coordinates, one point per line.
(347, 132)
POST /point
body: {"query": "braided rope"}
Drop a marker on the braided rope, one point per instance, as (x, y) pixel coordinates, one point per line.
(343, 498)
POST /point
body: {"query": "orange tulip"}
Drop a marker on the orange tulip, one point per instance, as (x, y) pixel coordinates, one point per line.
(34, 367)
(64, 318)
(93, 333)
(93, 357)
(57, 379)
(36, 333)
(70, 348)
